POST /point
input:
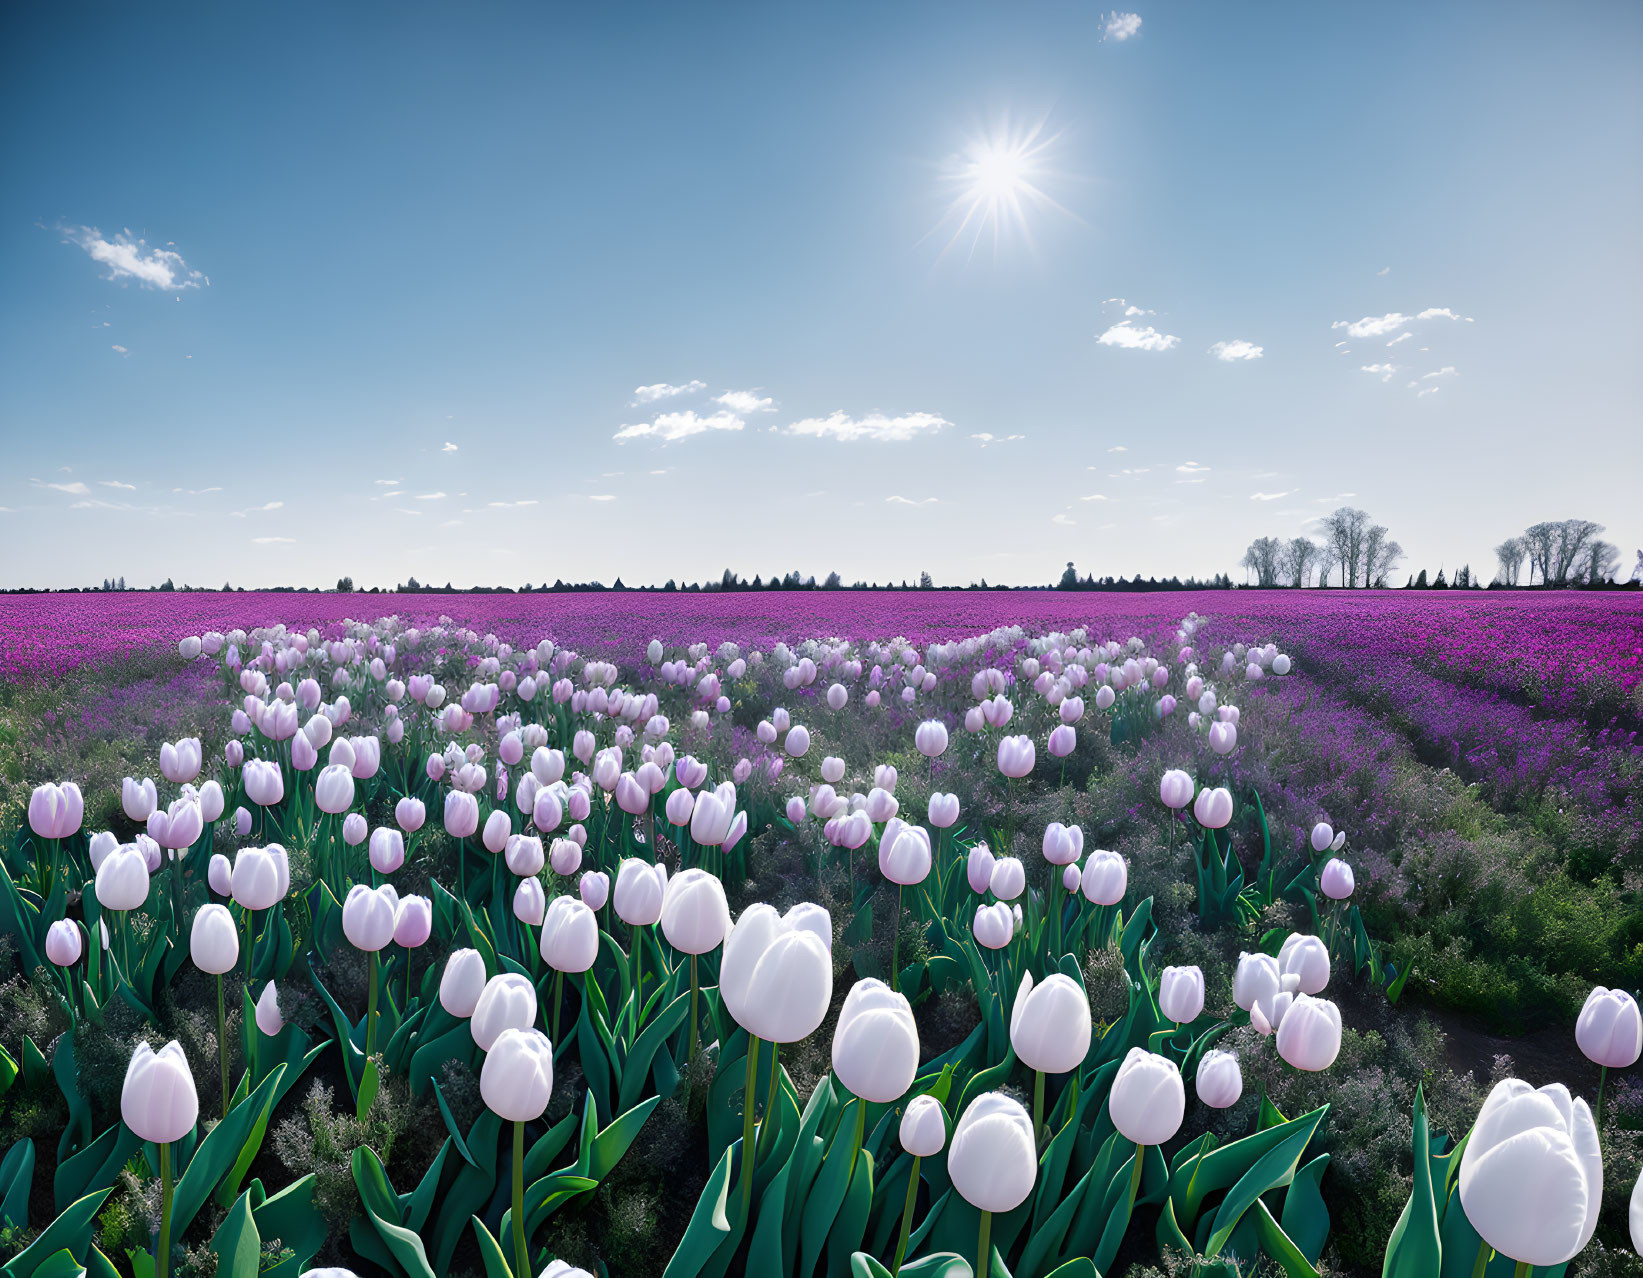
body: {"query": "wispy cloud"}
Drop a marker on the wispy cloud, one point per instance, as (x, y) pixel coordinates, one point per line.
(73, 488)
(257, 510)
(986, 437)
(115, 483)
(449, 447)
(1394, 321)
(602, 497)
(875, 426)
(1121, 26)
(1270, 496)
(120, 348)
(198, 492)
(1126, 336)
(1405, 336)
(682, 424)
(1448, 370)
(1118, 448)
(512, 505)
(1094, 497)
(431, 496)
(1192, 468)
(388, 483)
(273, 541)
(665, 390)
(899, 500)
(1234, 350)
(1382, 371)
(1385, 270)
(1063, 520)
(1430, 390)
(744, 403)
(127, 258)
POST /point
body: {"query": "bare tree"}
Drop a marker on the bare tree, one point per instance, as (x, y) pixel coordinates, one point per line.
(1509, 556)
(1382, 559)
(1601, 563)
(1345, 529)
(1262, 559)
(1297, 559)
(1560, 548)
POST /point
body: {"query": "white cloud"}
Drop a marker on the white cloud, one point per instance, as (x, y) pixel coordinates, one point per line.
(602, 497)
(1393, 321)
(128, 258)
(1192, 468)
(115, 483)
(664, 390)
(1382, 371)
(908, 501)
(1232, 351)
(746, 402)
(74, 487)
(1405, 336)
(1118, 448)
(273, 541)
(511, 505)
(1121, 26)
(121, 349)
(196, 492)
(1442, 312)
(257, 510)
(406, 510)
(1127, 336)
(1430, 390)
(1061, 519)
(875, 426)
(388, 483)
(1094, 497)
(430, 496)
(449, 447)
(1385, 270)
(987, 437)
(1448, 370)
(681, 425)
(1270, 496)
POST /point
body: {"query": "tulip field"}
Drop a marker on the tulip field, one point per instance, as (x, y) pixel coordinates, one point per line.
(937, 934)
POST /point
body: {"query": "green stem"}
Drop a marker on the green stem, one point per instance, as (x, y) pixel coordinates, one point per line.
(1523, 1270)
(522, 1255)
(636, 958)
(767, 1125)
(906, 1218)
(694, 1028)
(222, 1044)
(558, 995)
(1038, 1105)
(371, 1009)
(895, 941)
(1135, 1176)
(162, 1255)
(750, 1093)
(1602, 1078)
(1482, 1262)
(984, 1247)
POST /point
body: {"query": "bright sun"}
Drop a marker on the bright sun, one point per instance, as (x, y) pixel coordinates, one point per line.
(997, 183)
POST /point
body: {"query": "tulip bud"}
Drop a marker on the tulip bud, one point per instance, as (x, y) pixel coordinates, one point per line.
(993, 1160)
(1337, 880)
(1309, 1037)
(695, 914)
(462, 982)
(507, 1002)
(1148, 1099)
(1610, 1029)
(1050, 1025)
(158, 1101)
(214, 941)
(1181, 994)
(924, 1127)
(1307, 959)
(414, 923)
(994, 926)
(1220, 1080)
(63, 943)
(594, 888)
(268, 1017)
(369, 916)
(1213, 808)
(1009, 878)
(875, 1045)
(570, 935)
(978, 868)
(776, 974)
(640, 888)
(122, 879)
(516, 1080)
(904, 853)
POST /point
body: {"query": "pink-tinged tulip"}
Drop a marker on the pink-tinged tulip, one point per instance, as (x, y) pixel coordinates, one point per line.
(798, 741)
(1016, 756)
(695, 914)
(1337, 881)
(367, 757)
(334, 789)
(565, 856)
(1223, 737)
(1105, 878)
(269, 1020)
(640, 888)
(180, 761)
(776, 975)
(122, 879)
(369, 916)
(354, 829)
(570, 936)
(1050, 1026)
(1175, 789)
(414, 922)
(462, 982)
(530, 904)
(993, 1159)
(594, 889)
(881, 805)
(1009, 878)
(56, 811)
(1610, 1029)
(516, 1080)
(1148, 1098)
(1306, 960)
(837, 695)
(387, 849)
(507, 1002)
(923, 1131)
(264, 782)
(1063, 741)
(631, 796)
(63, 943)
(524, 855)
(680, 805)
(461, 814)
(1322, 836)
(978, 868)
(994, 926)
(1063, 844)
(714, 811)
(255, 883)
(219, 875)
(1213, 808)
(304, 757)
(904, 853)
(1531, 1178)
(138, 800)
(1181, 994)
(930, 738)
(100, 845)
(943, 810)
(158, 1101)
(875, 1044)
(1256, 981)
(214, 940)
(1309, 1036)
(498, 829)
(1220, 1080)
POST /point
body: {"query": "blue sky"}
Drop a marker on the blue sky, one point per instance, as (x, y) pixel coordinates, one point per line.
(298, 292)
